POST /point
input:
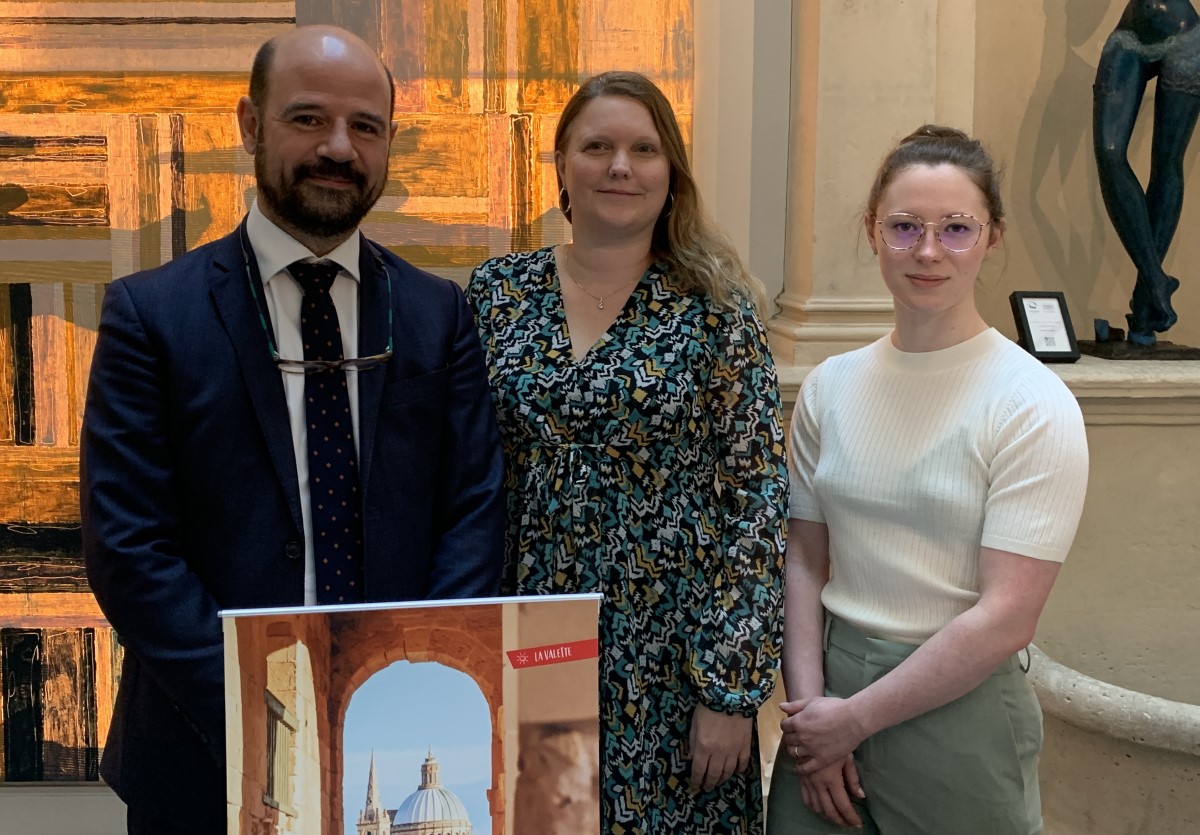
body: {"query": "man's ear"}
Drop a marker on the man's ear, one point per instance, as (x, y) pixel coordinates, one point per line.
(248, 122)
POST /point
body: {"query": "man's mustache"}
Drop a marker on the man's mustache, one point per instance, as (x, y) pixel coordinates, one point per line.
(330, 169)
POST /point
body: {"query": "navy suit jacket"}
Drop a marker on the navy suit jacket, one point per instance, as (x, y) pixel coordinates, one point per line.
(191, 504)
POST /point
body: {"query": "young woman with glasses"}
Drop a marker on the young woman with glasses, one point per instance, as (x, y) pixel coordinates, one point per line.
(938, 477)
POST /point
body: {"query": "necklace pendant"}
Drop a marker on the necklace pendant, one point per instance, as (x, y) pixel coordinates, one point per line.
(601, 305)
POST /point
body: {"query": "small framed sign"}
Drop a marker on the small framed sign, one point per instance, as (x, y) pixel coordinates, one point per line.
(1044, 325)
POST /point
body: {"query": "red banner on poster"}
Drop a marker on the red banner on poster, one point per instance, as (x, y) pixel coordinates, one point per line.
(553, 654)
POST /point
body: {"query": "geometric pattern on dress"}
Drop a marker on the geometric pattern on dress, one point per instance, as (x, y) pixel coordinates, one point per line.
(333, 483)
(652, 471)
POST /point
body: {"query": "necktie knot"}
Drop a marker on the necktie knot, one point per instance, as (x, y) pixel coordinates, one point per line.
(314, 277)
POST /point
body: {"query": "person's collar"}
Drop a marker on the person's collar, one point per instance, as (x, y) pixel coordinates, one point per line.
(275, 249)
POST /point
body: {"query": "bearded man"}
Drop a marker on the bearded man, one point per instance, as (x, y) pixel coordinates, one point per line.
(288, 416)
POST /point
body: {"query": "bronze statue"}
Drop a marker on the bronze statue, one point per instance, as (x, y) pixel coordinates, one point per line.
(1155, 38)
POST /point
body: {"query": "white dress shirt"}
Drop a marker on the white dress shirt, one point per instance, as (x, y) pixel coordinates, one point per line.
(274, 250)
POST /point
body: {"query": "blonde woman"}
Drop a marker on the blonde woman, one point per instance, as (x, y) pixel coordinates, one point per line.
(640, 418)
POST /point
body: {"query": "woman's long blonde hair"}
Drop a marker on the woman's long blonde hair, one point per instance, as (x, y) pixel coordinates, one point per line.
(698, 253)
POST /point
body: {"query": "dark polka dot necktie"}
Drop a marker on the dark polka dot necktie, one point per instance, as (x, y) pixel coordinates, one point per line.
(333, 487)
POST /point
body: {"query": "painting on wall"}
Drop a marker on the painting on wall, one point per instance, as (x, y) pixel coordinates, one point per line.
(119, 151)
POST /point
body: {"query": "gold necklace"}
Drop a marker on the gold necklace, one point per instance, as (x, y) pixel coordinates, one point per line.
(598, 299)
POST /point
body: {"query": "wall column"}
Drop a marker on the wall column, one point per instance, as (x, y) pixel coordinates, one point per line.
(863, 75)
(740, 126)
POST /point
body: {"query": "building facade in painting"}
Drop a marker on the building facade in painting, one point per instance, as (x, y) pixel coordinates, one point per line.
(431, 810)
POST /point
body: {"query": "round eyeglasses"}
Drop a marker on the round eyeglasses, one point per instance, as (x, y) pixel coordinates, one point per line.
(956, 233)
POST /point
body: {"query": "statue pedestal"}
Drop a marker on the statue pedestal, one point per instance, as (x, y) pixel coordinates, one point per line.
(1125, 351)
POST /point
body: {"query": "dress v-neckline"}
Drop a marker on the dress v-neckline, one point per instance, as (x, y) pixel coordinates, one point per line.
(606, 335)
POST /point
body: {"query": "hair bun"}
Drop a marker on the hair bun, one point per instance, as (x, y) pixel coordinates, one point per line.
(935, 145)
(935, 132)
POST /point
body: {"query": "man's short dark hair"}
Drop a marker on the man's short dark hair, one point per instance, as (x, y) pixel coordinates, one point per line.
(260, 70)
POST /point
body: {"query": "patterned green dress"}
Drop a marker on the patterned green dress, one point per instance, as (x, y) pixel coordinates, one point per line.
(652, 471)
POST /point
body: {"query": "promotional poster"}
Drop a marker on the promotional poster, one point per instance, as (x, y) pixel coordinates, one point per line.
(442, 718)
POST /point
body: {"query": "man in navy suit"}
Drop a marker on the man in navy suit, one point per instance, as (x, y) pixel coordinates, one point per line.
(199, 478)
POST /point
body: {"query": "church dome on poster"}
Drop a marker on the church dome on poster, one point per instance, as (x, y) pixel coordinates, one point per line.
(432, 809)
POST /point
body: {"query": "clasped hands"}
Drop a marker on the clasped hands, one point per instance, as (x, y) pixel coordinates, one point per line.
(821, 734)
(820, 731)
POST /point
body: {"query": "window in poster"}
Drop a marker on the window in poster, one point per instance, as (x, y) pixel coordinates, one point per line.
(1044, 325)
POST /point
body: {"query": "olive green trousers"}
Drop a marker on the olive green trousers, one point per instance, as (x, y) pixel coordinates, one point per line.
(966, 768)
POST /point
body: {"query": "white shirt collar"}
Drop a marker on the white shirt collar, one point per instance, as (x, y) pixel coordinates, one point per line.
(275, 249)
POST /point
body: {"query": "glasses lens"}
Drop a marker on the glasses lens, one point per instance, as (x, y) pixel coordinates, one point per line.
(958, 233)
(901, 231)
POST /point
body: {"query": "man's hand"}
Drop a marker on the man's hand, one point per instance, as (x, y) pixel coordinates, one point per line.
(719, 745)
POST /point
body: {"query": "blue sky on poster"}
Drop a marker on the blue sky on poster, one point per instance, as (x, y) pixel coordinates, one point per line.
(399, 712)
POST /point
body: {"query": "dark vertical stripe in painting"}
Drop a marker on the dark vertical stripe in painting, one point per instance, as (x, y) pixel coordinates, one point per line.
(447, 46)
(8, 434)
(404, 52)
(21, 654)
(547, 53)
(149, 232)
(309, 12)
(178, 192)
(21, 307)
(74, 383)
(522, 183)
(362, 18)
(89, 706)
(495, 55)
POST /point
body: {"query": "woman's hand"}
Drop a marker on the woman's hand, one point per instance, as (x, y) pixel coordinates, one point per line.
(828, 792)
(719, 745)
(820, 732)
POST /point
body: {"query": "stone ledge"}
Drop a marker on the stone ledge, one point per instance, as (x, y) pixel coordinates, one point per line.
(1097, 706)
(1135, 392)
(1131, 379)
(1108, 391)
(1091, 377)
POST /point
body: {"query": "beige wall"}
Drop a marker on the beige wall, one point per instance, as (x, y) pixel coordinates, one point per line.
(1095, 785)
(740, 133)
(1036, 60)
(1124, 607)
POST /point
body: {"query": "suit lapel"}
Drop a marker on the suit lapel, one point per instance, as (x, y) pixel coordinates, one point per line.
(373, 332)
(241, 318)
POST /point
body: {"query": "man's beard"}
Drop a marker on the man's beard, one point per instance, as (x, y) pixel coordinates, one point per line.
(312, 209)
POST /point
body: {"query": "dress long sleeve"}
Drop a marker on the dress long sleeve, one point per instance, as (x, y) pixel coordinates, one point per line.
(736, 652)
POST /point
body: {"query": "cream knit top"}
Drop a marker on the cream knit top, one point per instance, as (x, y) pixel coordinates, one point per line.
(915, 460)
